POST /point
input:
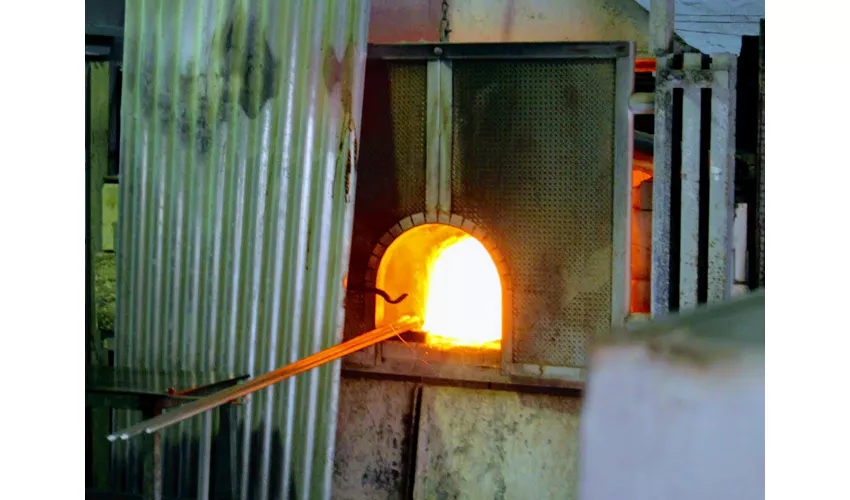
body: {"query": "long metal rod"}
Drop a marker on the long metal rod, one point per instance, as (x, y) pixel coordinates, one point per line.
(404, 324)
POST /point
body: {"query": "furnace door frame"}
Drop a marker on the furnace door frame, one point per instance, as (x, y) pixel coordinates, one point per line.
(438, 160)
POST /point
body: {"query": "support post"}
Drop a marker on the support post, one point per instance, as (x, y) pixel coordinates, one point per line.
(226, 486)
(438, 193)
(662, 184)
(661, 16)
(89, 282)
(624, 140)
(721, 202)
(152, 459)
(205, 457)
(690, 179)
(761, 159)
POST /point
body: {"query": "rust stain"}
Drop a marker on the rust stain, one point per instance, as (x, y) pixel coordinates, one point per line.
(508, 24)
(338, 72)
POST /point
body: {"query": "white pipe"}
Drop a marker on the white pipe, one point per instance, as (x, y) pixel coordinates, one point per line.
(739, 242)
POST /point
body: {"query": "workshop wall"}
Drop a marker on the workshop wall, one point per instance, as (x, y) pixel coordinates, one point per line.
(402, 439)
(512, 21)
(406, 440)
(396, 21)
(396, 439)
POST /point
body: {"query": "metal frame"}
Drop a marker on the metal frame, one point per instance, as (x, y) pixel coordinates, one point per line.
(90, 316)
(721, 78)
(760, 166)
(525, 51)
(623, 156)
(691, 149)
(403, 360)
(721, 197)
(438, 137)
(662, 183)
(103, 392)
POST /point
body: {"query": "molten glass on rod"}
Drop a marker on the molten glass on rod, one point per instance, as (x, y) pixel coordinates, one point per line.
(404, 324)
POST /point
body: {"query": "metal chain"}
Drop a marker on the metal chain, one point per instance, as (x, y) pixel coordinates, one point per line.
(444, 23)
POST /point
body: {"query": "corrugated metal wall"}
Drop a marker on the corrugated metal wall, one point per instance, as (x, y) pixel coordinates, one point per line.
(239, 122)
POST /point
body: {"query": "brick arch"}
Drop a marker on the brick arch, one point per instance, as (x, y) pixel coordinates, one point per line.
(421, 219)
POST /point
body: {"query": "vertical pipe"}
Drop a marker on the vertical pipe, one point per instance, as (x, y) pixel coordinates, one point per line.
(205, 455)
(721, 203)
(662, 184)
(740, 243)
(690, 179)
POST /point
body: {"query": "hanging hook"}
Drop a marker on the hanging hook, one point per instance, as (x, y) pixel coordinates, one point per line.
(377, 291)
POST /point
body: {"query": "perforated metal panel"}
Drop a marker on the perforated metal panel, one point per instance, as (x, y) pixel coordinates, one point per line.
(391, 167)
(533, 161)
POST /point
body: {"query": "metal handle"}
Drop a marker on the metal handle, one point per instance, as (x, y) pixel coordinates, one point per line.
(187, 411)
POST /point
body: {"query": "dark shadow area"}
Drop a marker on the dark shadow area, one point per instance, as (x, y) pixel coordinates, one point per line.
(391, 163)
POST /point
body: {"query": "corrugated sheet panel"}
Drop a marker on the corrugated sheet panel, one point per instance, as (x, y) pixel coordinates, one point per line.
(239, 124)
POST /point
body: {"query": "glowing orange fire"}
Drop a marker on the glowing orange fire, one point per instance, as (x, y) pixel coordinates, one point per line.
(463, 304)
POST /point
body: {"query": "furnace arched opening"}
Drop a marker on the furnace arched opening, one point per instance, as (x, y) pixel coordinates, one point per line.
(451, 280)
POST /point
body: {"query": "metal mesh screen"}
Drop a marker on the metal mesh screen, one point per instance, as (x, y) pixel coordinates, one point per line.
(390, 168)
(533, 157)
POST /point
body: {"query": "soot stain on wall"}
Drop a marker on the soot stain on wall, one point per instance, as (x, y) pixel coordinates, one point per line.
(373, 439)
(239, 75)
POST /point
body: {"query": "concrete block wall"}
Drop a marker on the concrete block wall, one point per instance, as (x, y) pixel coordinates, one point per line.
(407, 440)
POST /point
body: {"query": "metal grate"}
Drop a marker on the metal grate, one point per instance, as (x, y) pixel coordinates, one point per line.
(532, 164)
(390, 168)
